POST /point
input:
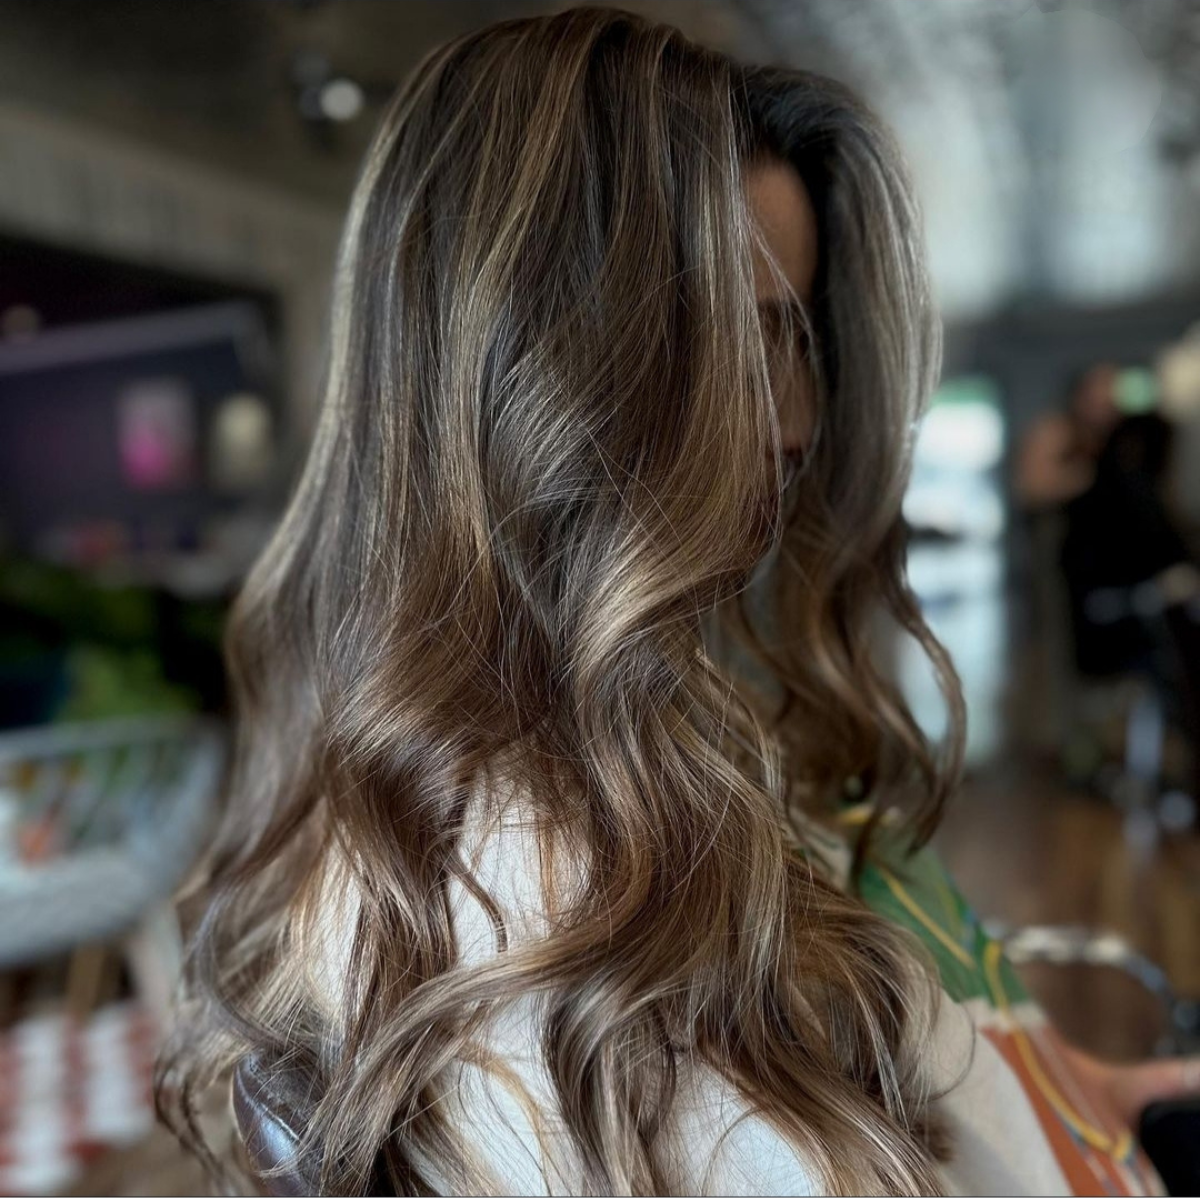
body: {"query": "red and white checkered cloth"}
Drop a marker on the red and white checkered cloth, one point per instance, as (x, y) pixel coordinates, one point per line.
(71, 1090)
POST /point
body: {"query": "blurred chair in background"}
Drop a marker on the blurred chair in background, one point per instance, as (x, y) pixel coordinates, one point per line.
(99, 823)
(103, 819)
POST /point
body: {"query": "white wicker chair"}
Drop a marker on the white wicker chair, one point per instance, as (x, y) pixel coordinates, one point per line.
(130, 800)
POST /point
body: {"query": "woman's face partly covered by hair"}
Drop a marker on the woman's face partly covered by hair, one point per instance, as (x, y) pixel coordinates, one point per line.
(787, 222)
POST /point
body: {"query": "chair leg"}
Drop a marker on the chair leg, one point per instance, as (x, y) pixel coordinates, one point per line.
(89, 970)
(1146, 733)
(1144, 739)
(154, 951)
(8, 998)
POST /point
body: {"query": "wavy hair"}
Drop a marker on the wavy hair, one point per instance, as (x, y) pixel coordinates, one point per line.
(537, 529)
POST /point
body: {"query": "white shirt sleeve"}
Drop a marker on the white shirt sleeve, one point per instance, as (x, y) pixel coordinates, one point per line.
(509, 1123)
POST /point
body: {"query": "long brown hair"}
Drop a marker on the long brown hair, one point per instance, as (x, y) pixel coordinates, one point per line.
(535, 529)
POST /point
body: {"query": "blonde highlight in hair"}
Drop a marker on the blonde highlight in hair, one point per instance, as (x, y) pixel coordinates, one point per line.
(534, 536)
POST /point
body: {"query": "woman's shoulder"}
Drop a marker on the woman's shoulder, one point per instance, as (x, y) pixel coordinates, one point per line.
(504, 1110)
(506, 1106)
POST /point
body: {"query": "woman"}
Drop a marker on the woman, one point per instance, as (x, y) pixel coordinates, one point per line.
(1131, 579)
(543, 846)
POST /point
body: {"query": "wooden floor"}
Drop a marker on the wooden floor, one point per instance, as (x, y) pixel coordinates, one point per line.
(154, 1167)
(1025, 848)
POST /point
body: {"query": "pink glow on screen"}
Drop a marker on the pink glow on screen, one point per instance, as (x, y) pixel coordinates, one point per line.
(157, 435)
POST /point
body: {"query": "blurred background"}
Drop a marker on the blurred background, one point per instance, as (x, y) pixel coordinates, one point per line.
(172, 182)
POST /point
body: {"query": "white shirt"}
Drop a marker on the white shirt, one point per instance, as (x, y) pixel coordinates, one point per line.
(999, 1147)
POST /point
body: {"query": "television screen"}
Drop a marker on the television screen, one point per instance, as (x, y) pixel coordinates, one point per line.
(124, 422)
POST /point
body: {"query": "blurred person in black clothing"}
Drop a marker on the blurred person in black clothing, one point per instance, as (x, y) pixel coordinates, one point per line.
(1131, 578)
(1056, 462)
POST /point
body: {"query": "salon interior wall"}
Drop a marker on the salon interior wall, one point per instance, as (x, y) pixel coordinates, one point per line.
(120, 137)
(77, 184)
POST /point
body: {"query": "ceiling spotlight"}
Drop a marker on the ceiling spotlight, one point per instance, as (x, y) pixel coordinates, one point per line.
(326, 97)
(340, 99)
